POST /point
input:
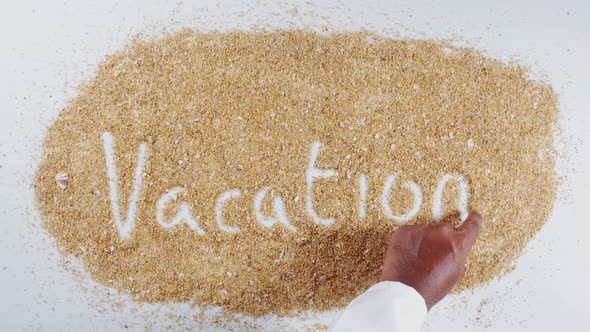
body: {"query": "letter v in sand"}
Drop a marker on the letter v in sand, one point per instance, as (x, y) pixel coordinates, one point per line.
(125, 228)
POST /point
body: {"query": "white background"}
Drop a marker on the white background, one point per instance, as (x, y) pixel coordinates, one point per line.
(48, 47)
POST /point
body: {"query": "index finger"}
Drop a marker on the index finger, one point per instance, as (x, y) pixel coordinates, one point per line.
(470, 229)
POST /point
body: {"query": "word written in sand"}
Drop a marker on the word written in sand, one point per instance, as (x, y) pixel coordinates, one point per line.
(125, 227)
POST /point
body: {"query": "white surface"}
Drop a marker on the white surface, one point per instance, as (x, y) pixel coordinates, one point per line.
(48, 47)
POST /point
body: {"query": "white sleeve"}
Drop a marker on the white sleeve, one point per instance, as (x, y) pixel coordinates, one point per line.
(387, 306)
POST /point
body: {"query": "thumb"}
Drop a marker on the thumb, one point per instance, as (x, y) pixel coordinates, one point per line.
(470, 228)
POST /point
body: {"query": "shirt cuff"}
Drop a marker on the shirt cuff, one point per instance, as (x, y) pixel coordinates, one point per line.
(386, 306)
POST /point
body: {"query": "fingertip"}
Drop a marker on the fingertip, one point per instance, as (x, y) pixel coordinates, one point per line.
(475, 216)
(473, 222)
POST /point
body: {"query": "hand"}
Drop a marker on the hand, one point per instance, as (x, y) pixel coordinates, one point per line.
(430, 257)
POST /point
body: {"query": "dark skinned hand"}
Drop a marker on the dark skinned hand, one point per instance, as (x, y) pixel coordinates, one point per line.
(430, 257)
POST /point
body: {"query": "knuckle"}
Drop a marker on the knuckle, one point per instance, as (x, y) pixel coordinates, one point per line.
(445, 228)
